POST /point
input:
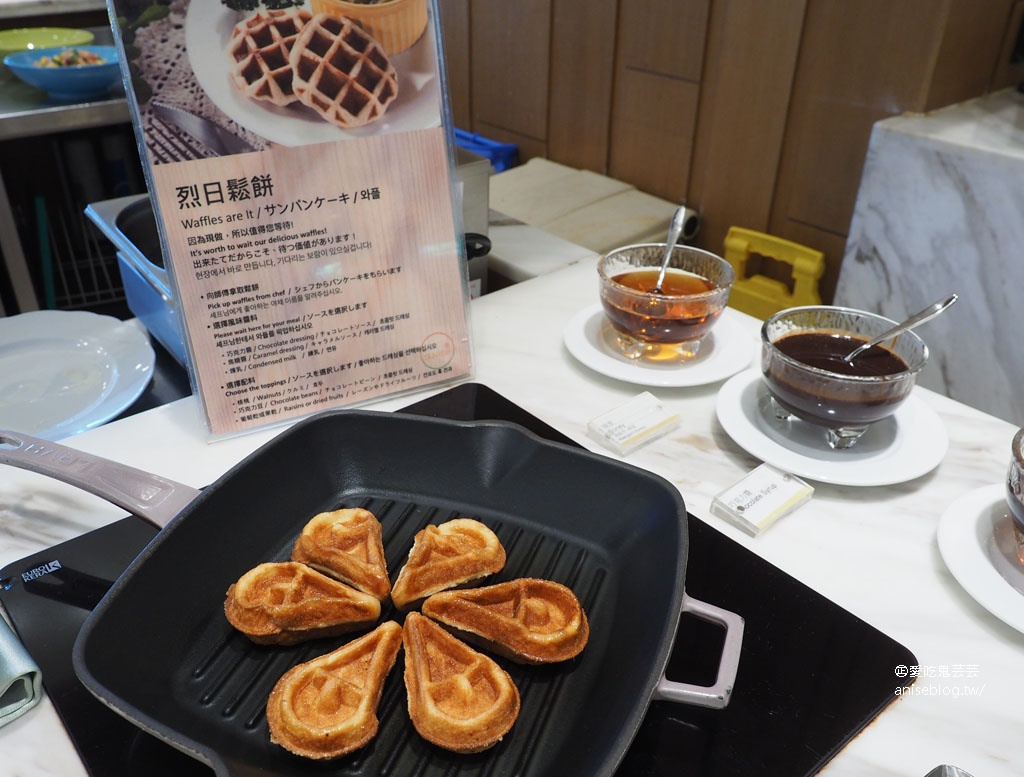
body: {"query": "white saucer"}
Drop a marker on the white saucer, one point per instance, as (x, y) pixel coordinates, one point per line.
(62, 371)
(975, 538)
(726, 351)
(908, 444)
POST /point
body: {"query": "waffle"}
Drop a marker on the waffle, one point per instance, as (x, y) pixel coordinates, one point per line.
(327, 707)
(260, 49)
(346, 545)
(455, 553)
(285, 603)
(341, 72)
(527, 620)
(459, 699)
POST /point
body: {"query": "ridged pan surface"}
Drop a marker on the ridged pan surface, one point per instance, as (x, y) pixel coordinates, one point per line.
(159, 650)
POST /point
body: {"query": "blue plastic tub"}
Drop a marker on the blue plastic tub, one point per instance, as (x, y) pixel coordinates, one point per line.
(502, 156)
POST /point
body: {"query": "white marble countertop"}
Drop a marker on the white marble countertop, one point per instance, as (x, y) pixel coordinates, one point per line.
(871, 550)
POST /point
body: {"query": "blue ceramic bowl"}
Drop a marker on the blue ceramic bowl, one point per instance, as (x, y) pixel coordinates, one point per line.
(75, 82)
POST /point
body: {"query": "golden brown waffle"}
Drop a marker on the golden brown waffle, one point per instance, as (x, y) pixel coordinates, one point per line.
(459, 699)
(342, 72)
(450, 554)
(284, 603)
(346, 545)
(260, 49)
(327, 707)
(528, 620)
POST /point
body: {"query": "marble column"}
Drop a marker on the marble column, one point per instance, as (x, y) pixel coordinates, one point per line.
(941, 209)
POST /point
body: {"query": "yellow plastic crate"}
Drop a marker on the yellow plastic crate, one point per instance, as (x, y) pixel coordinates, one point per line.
(761, 296)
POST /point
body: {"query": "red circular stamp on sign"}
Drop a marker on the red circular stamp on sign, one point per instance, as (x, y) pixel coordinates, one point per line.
(437, 350)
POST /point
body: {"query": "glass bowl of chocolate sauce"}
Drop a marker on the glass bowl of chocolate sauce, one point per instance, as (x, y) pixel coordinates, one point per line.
(665, 325)
(1015, 491)
(802, 365)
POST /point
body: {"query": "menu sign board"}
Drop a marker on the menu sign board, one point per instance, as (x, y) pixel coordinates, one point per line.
(299, 165)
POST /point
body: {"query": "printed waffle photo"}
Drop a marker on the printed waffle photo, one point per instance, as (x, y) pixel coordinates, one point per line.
(220, 77)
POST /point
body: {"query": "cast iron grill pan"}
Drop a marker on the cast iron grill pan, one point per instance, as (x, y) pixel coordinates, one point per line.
(159, 651)
(230, 679)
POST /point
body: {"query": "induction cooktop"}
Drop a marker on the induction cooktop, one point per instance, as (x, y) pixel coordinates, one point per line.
(811, 676)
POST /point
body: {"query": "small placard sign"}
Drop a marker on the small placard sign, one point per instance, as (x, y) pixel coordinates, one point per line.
(299, 165)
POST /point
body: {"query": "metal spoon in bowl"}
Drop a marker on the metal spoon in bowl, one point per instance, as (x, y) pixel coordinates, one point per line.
(674, 230)
(927, 314)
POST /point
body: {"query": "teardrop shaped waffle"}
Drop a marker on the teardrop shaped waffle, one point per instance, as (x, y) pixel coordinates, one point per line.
(459, 699)
(444, 556)
(282, 603)
(528, 620)
(327, 707)
(260, 52)
(341, 72)
(347, 545)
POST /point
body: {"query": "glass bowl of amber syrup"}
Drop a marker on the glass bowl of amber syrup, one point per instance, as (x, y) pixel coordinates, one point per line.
(802, 365)
(666, 325)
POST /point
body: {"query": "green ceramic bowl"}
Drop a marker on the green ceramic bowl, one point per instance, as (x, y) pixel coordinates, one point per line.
(29, 38)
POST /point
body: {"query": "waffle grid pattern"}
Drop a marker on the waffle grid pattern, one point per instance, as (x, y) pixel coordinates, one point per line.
(342, 72)
(260, 49)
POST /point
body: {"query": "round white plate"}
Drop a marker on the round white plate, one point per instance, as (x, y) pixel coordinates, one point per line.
(908, 444)
(208, 29)
(976, 541)
(726, 351)
(62, 371)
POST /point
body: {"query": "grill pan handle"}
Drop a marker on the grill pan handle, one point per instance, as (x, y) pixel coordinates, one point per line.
(715, 696)
(149, 496)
